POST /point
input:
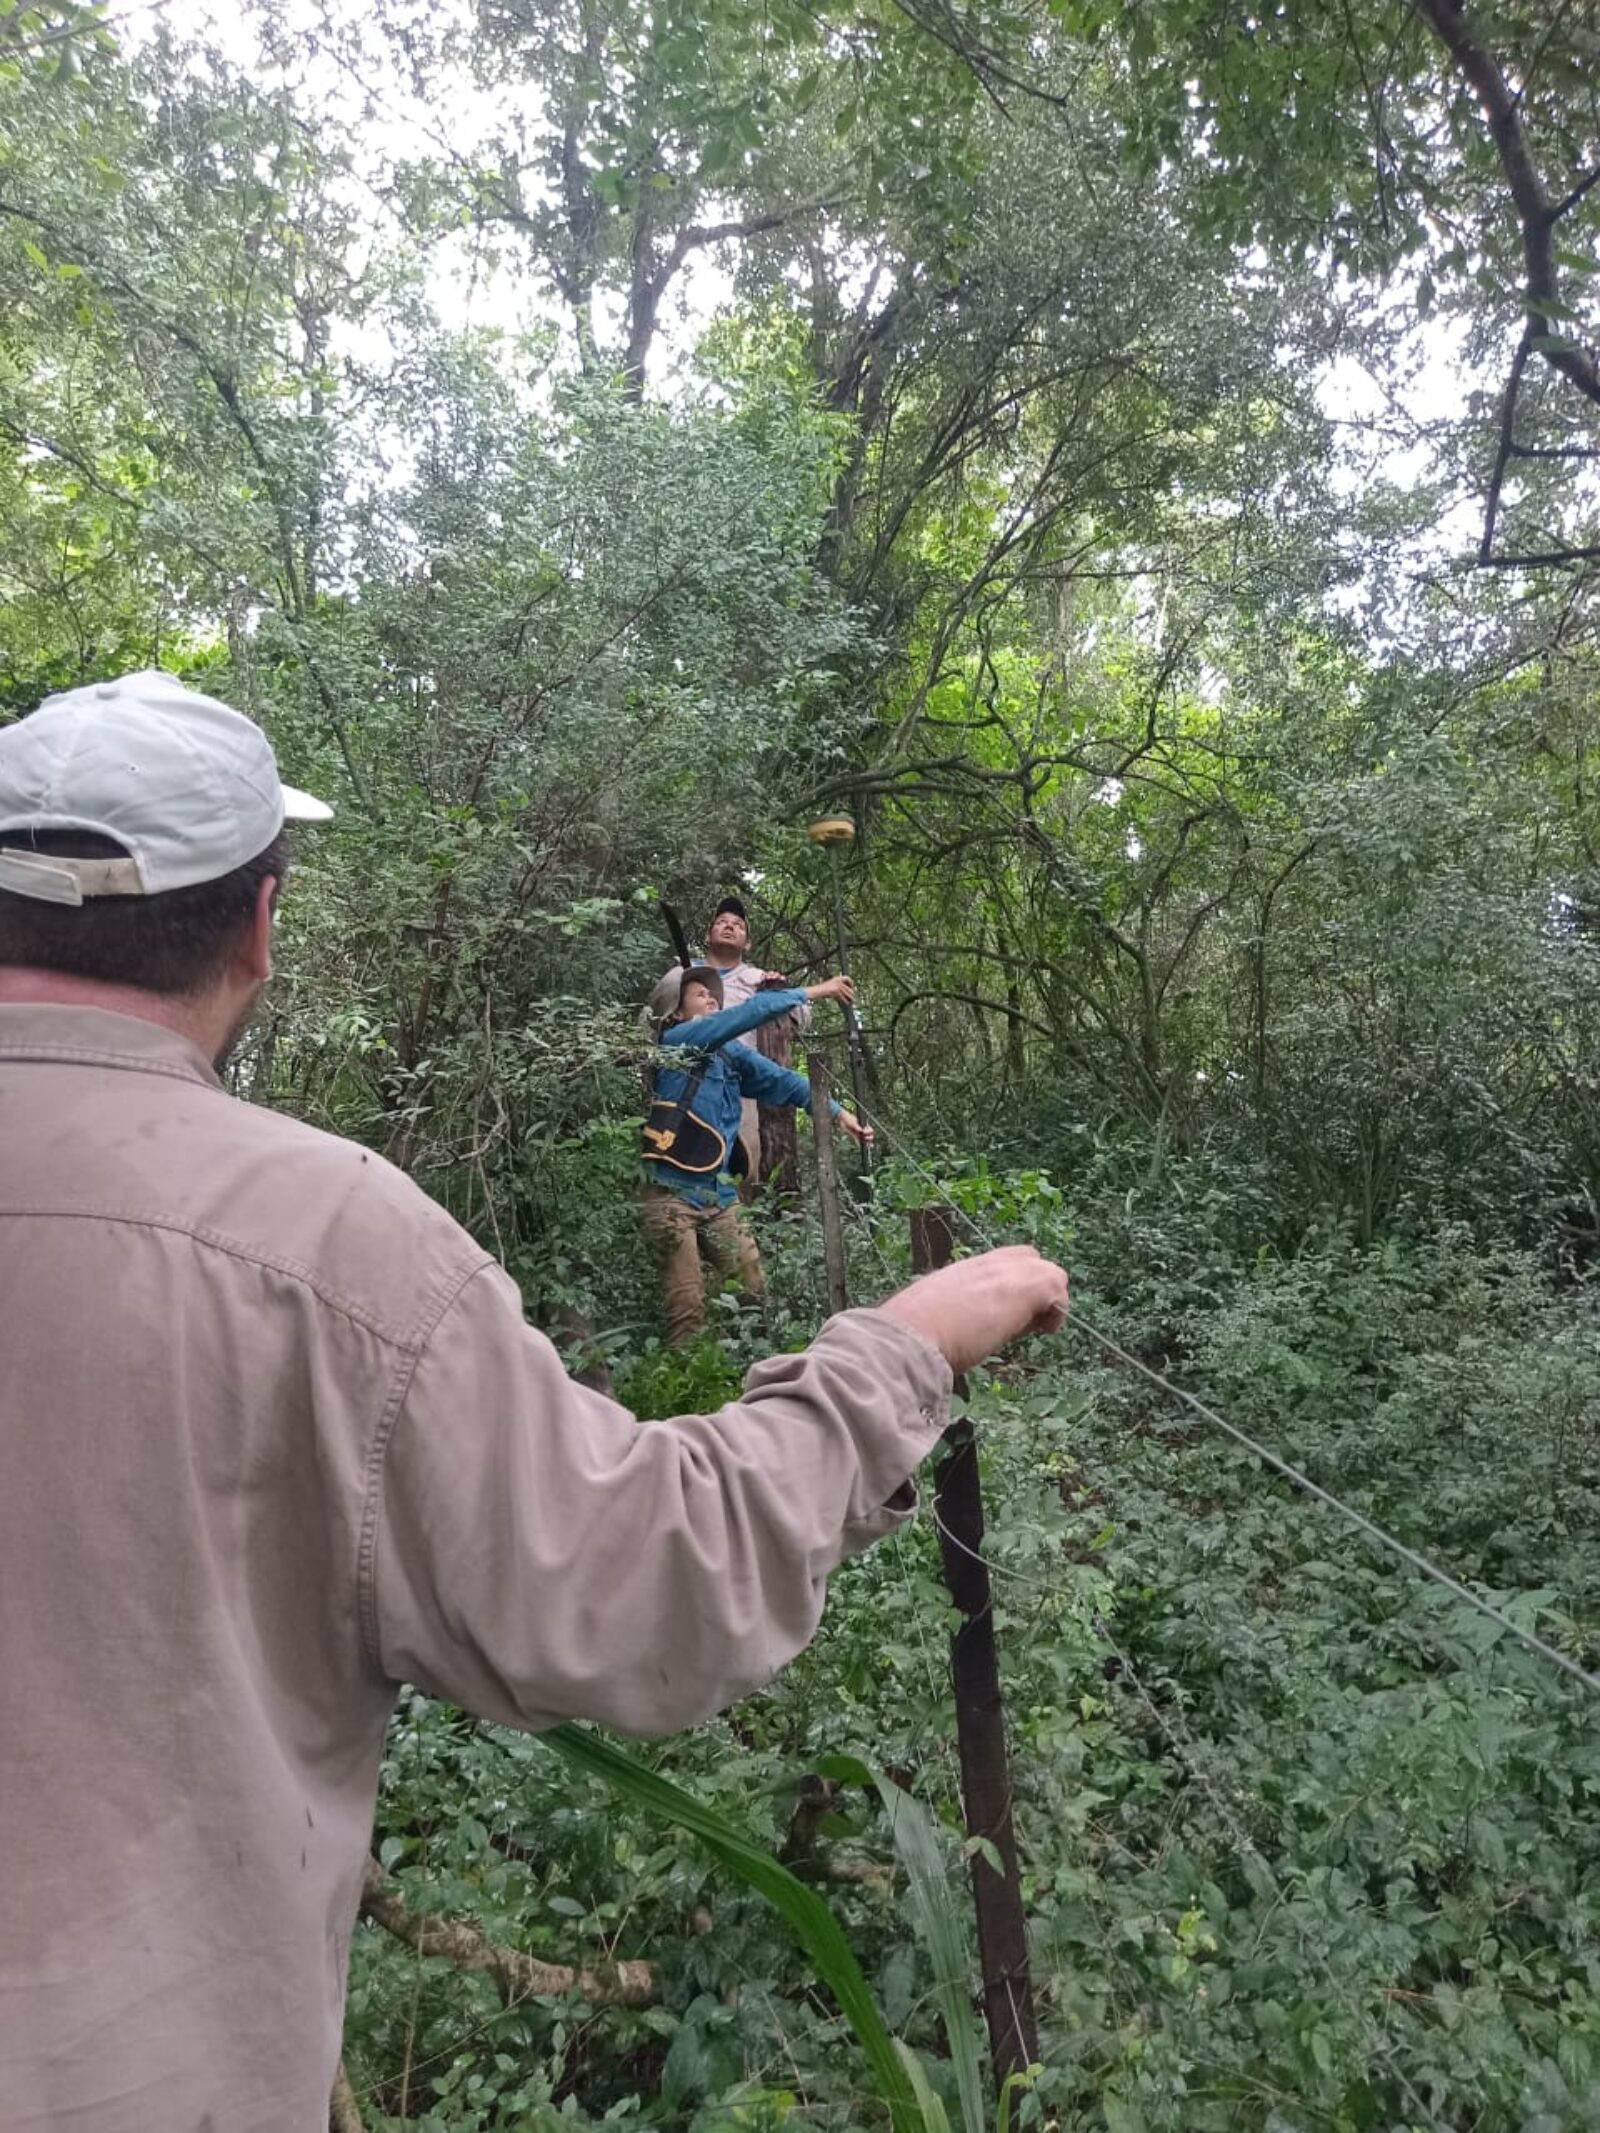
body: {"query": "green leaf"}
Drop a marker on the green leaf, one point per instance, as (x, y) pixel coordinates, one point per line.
(1014, 2085)
(934, 2116)
(718, 156)
(937, 1907)
(801, 1909)
(984, 1848)
(845, 1770)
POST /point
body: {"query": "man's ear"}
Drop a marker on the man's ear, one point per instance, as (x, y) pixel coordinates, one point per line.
(255, 950)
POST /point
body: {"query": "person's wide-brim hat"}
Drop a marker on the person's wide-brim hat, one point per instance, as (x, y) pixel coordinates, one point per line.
(667, 997)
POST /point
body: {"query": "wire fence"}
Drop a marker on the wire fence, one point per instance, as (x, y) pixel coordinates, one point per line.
(1370, 2007)
(1367, 1527)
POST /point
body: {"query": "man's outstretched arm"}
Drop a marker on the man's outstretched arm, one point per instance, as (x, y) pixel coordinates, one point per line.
(536, 1554)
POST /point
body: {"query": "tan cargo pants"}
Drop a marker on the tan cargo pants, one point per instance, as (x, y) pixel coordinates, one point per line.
(680, 1235)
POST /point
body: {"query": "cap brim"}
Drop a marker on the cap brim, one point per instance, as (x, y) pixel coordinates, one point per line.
(303, 807)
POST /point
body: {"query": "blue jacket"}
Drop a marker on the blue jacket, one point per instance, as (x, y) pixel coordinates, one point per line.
(732, 1072)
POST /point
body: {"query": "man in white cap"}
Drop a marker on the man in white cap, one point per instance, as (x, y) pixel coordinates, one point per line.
(275, 1437)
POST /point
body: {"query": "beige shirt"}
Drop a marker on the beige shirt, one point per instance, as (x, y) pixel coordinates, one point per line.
(275, 1437)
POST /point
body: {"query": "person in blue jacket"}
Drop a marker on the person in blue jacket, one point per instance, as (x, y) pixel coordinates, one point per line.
(691, 1205)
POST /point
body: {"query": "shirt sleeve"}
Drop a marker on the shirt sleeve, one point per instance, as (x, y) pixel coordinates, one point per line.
(768, 1082)
(708, 1033)
(539, 1555)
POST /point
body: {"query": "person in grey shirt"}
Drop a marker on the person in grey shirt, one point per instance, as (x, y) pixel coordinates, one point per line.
(276, 1437)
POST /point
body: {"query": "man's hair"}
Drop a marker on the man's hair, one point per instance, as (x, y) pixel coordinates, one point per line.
(176, 944)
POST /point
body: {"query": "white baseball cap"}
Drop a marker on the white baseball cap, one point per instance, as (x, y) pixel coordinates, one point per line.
(188, 787)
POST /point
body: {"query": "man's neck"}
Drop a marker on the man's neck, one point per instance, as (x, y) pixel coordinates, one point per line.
(724, 958)
(52, 988)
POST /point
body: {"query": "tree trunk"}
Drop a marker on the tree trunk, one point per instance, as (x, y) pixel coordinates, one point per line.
(780, 1149)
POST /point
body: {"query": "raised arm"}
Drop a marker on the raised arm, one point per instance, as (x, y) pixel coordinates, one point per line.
(535, 1553)
(709, 1032)
(540, 1555)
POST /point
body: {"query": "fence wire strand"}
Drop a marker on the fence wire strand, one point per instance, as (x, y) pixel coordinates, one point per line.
(1422, 1564)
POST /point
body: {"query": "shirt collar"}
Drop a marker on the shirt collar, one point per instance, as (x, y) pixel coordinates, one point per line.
(94, 1036)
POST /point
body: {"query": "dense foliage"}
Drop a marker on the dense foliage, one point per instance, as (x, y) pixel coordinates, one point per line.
(1139, 464)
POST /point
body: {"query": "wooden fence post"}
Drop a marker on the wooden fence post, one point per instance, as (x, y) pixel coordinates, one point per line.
(828, 1183)
(980, 1718)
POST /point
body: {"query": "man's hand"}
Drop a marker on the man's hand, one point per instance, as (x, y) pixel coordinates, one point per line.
(773, 977)
(840, 988)
(856, 1130)
(971, 1308)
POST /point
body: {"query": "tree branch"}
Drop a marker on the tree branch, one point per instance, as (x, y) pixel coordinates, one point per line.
(968, 999)
(516, 1976)
(945, 28)
(1565, 207)
(1539, 557)
(702, 233)
(1555, 451)
(1508, 417)
(344, 2113)
(1535, 212)
(652, 275)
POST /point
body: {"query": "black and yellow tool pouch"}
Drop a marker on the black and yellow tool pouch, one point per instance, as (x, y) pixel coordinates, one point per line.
(676, 1135)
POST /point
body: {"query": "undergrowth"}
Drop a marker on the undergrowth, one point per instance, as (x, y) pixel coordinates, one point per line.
(1307, 1845)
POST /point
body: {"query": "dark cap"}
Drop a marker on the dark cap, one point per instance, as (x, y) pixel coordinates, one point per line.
(732, 903)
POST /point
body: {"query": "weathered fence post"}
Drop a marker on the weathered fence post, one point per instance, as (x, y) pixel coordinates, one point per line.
(828, 1183)
(980, 1717)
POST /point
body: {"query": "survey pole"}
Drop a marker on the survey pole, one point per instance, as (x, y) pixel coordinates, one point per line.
(833, 1253)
